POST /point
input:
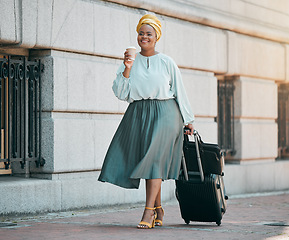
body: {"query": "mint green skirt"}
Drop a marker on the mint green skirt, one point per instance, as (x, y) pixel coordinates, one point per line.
(147, 144)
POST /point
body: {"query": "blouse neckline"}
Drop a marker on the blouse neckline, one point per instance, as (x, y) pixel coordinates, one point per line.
(148, 56)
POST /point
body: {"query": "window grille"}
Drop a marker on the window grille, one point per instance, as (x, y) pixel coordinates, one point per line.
(283, 121)
(20, 110)
(226, 116)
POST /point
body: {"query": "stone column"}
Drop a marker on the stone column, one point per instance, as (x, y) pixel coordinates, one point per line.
(255, 120)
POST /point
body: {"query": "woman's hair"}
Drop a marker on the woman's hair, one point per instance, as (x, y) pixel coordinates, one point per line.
(153, 21)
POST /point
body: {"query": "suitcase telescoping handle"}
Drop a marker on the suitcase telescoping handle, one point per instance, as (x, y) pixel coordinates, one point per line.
(197, 139)
(185, 170)
(196, 136)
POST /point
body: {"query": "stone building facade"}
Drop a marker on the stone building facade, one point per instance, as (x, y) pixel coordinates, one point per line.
(242, 43)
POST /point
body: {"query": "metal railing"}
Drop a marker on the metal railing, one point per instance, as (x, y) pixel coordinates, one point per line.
(226, 116)
(20, 110)
(283, 121)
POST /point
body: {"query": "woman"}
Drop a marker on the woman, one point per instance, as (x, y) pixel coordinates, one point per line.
(148, 142)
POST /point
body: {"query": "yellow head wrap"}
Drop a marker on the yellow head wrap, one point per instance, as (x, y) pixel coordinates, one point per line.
(153, 21)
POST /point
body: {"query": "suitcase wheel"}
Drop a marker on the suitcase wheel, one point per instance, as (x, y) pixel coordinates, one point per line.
(187, 221)
(218, 223)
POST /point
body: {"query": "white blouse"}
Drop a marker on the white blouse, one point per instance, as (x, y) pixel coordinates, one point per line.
(154, 77)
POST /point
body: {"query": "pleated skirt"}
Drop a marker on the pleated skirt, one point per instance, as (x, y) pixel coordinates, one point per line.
(147, 144)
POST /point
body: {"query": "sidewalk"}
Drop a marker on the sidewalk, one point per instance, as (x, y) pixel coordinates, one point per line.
(248, 217)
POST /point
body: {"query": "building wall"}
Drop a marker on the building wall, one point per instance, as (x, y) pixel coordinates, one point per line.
(82, 43)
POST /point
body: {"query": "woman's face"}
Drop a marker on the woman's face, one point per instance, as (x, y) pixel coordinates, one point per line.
(147, 37)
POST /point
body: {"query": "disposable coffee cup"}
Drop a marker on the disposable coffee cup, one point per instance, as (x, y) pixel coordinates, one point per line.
(131, 52)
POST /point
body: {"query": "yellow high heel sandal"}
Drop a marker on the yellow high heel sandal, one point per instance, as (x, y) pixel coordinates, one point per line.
(159, 222)
(146, 224)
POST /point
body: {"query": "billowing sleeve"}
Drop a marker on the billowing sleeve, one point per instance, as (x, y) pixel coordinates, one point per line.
(177, 86)
(121, 85)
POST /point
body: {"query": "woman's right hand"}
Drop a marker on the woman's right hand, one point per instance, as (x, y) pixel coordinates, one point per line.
(191, 129)
(128, 62)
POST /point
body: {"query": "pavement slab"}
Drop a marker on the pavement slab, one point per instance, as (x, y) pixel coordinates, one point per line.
(250, 217)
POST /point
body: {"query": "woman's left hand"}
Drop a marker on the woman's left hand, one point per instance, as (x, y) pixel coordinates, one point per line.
(191, 127)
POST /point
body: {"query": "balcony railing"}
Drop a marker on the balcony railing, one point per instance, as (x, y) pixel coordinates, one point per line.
(20, 110)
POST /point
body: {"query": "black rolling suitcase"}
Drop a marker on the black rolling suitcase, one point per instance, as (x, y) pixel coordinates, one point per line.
(200, 188)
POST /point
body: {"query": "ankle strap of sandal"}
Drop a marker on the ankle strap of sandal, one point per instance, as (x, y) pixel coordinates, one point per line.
(150, 208)
(158, 207)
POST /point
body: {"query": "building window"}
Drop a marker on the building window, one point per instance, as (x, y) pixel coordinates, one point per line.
(20, 110)
(226, 116)
(283, 121)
